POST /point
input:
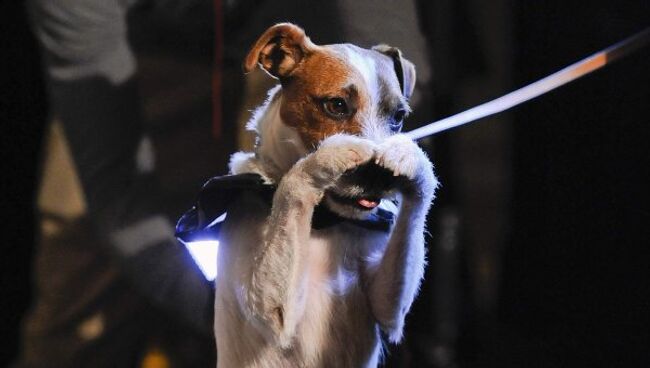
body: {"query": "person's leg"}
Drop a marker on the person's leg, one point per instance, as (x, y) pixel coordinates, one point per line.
(93, 93)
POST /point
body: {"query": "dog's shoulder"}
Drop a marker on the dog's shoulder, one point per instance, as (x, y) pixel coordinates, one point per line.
(248, 163)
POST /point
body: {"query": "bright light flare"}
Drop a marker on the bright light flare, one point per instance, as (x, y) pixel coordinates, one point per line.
(204, 253)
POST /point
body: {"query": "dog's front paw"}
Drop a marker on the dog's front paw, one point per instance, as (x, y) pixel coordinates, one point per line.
(403, 157)
(336, 155)
(344, 152)
(400, 155)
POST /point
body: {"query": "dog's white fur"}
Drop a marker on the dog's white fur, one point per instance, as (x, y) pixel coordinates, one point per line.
(291, 296)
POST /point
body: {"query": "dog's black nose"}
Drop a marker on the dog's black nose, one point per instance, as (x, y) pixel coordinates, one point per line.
(372, 177)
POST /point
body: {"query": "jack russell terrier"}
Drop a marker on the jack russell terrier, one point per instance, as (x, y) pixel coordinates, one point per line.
(312, 272)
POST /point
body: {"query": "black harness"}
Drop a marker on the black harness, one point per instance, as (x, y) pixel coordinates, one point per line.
(204, 219)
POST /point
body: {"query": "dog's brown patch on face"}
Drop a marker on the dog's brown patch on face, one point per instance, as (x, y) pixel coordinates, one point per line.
(321, 76)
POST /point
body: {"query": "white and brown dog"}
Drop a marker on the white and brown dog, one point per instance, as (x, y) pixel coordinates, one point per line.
(290, 295)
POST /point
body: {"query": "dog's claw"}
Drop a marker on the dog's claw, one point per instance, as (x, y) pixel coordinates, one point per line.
(401, 156)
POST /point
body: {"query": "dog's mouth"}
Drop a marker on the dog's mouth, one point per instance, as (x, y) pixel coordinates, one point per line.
(360, 191)
(362, 202)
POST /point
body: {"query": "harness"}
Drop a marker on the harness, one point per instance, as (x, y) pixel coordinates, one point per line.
(205, 218)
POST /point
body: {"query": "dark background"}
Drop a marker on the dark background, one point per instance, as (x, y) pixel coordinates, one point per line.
(576, 278)
(555, 273)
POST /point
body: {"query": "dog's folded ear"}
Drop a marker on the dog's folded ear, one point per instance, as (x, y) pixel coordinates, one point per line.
(404, 69)
(279, 50)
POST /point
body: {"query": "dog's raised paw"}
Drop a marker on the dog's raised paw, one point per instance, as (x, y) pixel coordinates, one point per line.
(401, 155)
(340, 153)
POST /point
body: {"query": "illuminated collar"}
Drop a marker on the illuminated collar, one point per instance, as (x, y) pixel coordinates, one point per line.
(203, 220)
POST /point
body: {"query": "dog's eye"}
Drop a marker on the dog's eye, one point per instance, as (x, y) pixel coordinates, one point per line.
(397, 120)
(399, 115)
(336, 107)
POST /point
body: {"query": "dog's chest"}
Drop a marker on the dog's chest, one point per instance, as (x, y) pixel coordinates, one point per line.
(336, 327)
(335, 312)
(333, 269)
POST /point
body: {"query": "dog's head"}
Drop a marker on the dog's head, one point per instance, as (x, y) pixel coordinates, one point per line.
(338, 88)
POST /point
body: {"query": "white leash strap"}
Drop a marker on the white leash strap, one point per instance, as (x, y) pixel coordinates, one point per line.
(538, 88)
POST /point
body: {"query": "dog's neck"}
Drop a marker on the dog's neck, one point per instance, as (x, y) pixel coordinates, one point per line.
(278, 146)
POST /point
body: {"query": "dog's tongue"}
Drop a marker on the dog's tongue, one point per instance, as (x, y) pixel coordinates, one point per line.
(367, 203)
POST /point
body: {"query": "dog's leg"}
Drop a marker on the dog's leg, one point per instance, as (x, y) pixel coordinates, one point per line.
(397, 279)
(276, 292)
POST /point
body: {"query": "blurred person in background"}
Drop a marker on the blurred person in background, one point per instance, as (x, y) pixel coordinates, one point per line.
(109, 274)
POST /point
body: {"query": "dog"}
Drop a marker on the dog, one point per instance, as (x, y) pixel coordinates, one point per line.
(289, 294)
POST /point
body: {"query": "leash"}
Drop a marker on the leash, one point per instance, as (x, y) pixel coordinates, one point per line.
(538, 88)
